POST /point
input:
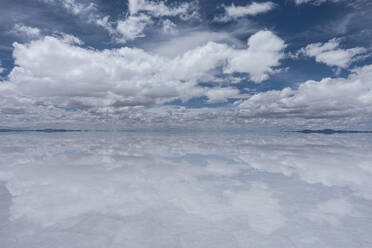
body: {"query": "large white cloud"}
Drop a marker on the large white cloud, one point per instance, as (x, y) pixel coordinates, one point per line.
(56, 67)
(52, 67)
(328, 98)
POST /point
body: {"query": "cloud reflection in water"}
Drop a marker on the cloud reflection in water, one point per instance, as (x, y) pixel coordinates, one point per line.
(152, 189)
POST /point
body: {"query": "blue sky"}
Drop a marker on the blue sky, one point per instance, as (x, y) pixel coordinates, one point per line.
(236, 63)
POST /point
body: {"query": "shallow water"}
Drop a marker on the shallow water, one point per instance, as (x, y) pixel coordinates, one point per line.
(185, 189)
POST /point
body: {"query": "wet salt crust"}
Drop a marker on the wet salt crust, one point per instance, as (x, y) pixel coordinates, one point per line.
(152, 189)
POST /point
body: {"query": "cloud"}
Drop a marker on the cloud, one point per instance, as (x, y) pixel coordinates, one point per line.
(185, 11)
(142, 13)
(328, 98)
(55, 74)
(189, 40)
(87, 12)
(69, 39)
(330, 54)
(221, 94)
(253, 9)
(1, 68)
(356, 4)
(315, 2)
(22, 30)
(169, 27)
(57, 67)
(133, 27)
(264, 52)
(263, 210)
(63, 69)
(332, 211)
(72, 6)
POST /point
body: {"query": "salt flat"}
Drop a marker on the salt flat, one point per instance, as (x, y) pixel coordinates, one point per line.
(185, 189)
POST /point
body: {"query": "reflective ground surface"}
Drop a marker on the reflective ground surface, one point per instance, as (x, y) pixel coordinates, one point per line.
(185, 189)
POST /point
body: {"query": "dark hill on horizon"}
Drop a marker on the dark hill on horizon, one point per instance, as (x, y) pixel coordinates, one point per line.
(329, 131)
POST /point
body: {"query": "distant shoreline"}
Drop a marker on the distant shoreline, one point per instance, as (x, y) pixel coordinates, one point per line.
(47, 130)
(328, 131)
(52, 130)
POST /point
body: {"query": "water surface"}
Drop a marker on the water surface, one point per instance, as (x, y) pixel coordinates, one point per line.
(185, 189)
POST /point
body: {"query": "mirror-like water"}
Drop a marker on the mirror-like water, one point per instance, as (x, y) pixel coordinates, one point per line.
(152, 189)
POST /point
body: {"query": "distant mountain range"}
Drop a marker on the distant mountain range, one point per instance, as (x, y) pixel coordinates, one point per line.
(305, 131)
(329, 131)
(47, 130)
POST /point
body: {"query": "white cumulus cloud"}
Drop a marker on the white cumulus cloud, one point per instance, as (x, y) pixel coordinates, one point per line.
(59, 67)
(264, 52)
(331, 54)
(328, 98)
(252, 9)
(56, 73)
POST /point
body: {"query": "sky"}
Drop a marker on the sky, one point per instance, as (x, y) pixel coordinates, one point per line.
(119, 64)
